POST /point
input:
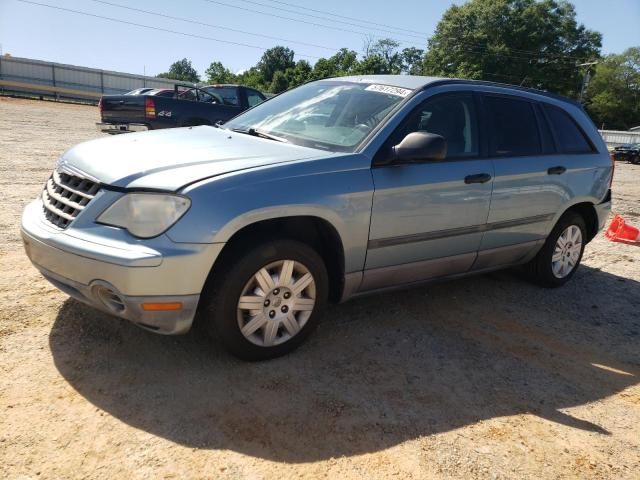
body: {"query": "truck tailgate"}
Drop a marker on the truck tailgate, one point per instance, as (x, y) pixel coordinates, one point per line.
(123, 108)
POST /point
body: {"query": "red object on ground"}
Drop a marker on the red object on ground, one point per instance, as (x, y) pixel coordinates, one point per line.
(620, 231)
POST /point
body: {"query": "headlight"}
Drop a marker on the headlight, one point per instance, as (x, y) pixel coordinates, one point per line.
(145, 215)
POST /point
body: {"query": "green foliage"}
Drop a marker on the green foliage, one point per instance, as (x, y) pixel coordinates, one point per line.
(181, 70)
(218, 73)
(613, 95)
(279, 82)
(273, 60)
(252, 78)
(412, 60)
(383, 57)
(298, 75)
(535, 43)
(342, 63)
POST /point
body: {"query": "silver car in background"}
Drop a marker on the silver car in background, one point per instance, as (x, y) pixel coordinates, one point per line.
(337, 188)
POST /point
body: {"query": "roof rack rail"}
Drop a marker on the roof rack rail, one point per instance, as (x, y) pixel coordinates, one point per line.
(504, 85)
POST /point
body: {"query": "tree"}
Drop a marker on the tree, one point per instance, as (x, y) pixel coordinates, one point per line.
(530, 42)
(613, 96)
(251, 78)
(279, 82)
(412, 60)
(218, 73)
(372, 65)
(298, 75)
(382, 57)
(273, 60)
(181, 70)
(345, 62)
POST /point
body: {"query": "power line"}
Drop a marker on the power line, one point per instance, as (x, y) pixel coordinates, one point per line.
(333, 19)
(478, 49)
(348, 18)
(251, 10)
(532, 53)
(484, 50)
(184, 34)
(196, 22)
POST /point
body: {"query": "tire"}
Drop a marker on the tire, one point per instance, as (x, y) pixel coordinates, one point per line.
(549, 273)
(278, 326)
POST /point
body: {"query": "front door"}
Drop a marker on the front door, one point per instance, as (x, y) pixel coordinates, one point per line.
(427, 218)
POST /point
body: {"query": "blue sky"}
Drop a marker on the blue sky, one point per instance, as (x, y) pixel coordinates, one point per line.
(46, 34)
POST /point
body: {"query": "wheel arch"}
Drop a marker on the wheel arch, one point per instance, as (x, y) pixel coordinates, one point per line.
(315, 231)
(588, 212)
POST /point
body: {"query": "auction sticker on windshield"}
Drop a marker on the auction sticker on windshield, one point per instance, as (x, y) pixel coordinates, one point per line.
(388, 89)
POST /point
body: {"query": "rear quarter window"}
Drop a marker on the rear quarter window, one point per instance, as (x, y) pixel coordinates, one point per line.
(570, 138)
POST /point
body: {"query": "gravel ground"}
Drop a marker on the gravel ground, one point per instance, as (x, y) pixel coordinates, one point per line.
(487, 377)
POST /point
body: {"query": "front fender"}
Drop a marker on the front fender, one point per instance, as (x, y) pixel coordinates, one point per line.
(325, 189)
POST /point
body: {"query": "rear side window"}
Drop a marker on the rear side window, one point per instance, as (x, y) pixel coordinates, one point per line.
(514, 129)
(570, 137)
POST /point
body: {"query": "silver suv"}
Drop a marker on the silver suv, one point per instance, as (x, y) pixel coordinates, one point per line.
(338, 188)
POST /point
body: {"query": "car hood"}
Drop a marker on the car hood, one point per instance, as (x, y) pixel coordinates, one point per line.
(171, 158)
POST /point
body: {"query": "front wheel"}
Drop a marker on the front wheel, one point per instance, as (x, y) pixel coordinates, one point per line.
(560, 256)
(265, 302)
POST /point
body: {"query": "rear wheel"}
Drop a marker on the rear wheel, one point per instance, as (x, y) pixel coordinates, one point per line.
(560, 256)
(265, 302)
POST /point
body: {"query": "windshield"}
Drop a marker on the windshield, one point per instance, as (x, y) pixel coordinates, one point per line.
(330, 115)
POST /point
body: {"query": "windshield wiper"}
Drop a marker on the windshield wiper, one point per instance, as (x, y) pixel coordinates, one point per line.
(259, 133)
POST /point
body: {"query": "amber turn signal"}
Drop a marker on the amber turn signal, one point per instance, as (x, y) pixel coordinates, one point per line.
(161, 307)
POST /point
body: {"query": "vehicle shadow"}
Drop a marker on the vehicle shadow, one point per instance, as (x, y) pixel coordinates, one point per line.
(379, 371)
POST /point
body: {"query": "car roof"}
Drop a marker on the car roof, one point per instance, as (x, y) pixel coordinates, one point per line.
(418, 82)
(412, 82)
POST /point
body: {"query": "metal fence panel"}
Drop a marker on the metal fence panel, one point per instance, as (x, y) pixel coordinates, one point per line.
(618, 137)
(36, 77)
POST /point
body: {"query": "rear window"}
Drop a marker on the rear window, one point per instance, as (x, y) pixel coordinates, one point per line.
(228, 94)
(514, 129)
(570, 137)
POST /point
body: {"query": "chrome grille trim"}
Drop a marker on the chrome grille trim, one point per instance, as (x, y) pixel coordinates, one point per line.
(65, 196)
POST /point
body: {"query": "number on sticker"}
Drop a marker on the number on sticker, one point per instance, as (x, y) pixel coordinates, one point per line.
(388, 89)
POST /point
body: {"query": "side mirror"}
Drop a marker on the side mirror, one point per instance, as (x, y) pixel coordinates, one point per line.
(420, 147)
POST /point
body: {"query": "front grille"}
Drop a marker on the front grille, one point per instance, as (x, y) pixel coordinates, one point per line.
(65, 196)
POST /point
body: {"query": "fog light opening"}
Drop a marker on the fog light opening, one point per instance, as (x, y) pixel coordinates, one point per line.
(109, 298)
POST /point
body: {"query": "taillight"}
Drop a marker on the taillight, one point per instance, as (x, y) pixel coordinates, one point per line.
(149, 107)
(100, 106)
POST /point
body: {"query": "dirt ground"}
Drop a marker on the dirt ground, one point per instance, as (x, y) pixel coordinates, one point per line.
(488, 377)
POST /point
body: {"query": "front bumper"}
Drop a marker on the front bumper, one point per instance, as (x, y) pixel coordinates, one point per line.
(115, 128)
(119, 277)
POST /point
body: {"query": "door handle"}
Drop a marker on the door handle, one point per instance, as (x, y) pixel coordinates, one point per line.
(559, 170)
(478, 178)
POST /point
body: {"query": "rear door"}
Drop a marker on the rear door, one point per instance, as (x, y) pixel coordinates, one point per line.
(530, 185)
(427, 218)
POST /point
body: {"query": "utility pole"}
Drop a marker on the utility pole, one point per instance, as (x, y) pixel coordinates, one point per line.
(585, 79)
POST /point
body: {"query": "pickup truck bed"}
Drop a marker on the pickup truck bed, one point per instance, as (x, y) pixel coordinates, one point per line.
(187, 107)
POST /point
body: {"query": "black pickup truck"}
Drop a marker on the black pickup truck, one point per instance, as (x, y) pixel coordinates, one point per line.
(187, 106)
